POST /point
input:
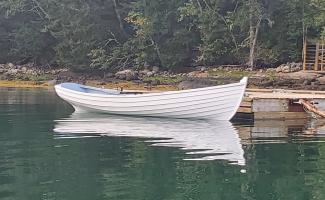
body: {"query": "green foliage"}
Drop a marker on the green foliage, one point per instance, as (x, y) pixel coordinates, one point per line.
(112, 35)
(222, 73)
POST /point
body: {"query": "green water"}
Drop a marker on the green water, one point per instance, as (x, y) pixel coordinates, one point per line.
(46, 152)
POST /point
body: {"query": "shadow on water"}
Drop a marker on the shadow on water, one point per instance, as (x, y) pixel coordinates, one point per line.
(47, 153)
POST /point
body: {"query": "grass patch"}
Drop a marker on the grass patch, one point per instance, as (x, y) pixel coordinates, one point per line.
(228, 74)
(164, 80)
(43, 77)
(271, 75)
(22, 84)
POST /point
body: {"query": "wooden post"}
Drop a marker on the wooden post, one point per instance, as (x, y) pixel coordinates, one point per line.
(316, 57)
(304, 55)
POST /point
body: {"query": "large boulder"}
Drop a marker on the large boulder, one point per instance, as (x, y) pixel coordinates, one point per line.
(10, 65)
(128, 75)
(289, 67)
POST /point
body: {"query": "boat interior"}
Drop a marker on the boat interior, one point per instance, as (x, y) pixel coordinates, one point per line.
(94, 90)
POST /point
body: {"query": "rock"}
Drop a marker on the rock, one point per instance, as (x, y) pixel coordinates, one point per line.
(52, 82)
(306, 82)
(192, 74)
(128, 75)
(143, 72)
(314, 83)
(109, 75)
(289, 67)
(321, 80)
(296, 68)
(165, 73)
(198, 74)
(278, 69)
(150, 74)
(286, 69)
(155, 69)
(203, 69)
(12, 71)
(23, 69)
(10, 65)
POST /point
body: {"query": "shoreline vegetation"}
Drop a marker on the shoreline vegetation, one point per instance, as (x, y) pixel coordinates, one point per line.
(286, 76)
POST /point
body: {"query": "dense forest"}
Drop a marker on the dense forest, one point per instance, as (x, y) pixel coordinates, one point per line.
(117, 34)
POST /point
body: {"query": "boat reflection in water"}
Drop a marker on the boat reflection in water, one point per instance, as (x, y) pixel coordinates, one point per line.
(200, 139)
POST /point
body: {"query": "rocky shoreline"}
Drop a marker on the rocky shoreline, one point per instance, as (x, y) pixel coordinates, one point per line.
(286, 76)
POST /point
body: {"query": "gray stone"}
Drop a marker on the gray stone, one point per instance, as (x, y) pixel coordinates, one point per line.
(10, 65)
(52, 82)
(12, 71)
(109, 75)
(321, 80)
(203, 69)
(150, 74)
(23, 69)
(286, 69)
(128, 75)
(144, 72)
(155, 69)
(306, 82)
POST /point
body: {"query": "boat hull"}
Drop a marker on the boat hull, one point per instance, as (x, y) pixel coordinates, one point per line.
(218, 102)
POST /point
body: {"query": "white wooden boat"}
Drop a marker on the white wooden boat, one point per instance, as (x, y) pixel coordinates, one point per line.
(217, 102)
(200, 139)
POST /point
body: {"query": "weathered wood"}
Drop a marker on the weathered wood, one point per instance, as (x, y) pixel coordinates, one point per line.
(270, 105)
(280, 115)
(311, 108)
(244, 110)
(276, 91)
(246, 104)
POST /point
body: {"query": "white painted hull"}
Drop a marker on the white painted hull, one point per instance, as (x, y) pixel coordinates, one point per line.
(218, 102)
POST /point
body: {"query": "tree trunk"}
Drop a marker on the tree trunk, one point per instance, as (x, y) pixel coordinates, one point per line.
(254, 27)
(118, 16)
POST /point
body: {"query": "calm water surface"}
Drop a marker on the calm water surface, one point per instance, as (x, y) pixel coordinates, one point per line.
(49, 152)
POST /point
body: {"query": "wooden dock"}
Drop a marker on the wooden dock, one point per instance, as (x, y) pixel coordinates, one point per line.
(279, 104)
